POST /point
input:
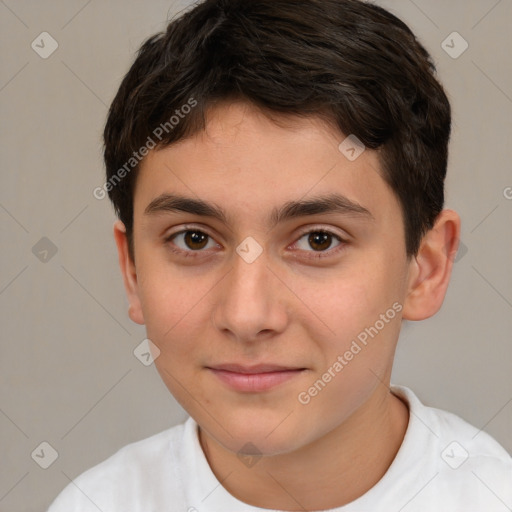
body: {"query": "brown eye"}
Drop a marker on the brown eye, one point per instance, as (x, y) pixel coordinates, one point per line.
(190, 241)
(195, 239)
(320, 241)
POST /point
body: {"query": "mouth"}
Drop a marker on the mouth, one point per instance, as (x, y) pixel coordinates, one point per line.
(254, 379)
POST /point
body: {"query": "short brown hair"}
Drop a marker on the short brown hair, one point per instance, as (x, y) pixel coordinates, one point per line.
(349, 61)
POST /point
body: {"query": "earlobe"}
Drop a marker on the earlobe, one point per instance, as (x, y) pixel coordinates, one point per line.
(129, 273)
(431, 268)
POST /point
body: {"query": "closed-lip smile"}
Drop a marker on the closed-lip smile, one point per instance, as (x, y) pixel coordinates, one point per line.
(254, 378)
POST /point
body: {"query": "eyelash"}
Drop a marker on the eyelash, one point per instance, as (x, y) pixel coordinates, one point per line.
(317, 254)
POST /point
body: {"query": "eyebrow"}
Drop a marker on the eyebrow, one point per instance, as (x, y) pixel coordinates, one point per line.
(332, 203)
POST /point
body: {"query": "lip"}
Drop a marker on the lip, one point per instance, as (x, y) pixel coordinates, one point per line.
(254, 379)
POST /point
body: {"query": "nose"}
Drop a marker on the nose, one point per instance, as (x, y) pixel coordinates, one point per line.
(251, 304)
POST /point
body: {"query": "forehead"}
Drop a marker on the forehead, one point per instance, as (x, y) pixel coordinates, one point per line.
(249, 164)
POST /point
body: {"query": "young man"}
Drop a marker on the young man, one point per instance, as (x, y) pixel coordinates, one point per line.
(277, 167)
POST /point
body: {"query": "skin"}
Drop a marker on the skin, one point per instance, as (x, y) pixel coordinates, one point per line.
(286, 307)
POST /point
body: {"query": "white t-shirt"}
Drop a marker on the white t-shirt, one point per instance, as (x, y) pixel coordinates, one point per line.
(443, 464)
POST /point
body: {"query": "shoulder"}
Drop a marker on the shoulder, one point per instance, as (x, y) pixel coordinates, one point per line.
(449, 428)
(122, 481)
(467, 466)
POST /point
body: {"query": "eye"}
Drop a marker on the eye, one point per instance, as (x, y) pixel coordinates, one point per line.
(190, 241)
(320, 241)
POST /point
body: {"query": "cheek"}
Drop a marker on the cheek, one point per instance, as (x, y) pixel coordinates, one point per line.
(360, 313)
(353, 360)
(175, 319)
(356, 300)
(170, 304)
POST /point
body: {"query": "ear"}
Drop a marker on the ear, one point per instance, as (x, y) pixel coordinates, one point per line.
(129, 273)
(430, 270)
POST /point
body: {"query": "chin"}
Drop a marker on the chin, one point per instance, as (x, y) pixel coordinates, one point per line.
(259, 433)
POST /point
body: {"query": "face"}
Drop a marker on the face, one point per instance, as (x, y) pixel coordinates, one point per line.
(276, 312)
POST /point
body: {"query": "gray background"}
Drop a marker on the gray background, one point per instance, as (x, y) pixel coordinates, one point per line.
(68, 373)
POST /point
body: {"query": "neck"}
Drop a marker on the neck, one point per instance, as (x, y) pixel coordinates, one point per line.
(328, 473)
